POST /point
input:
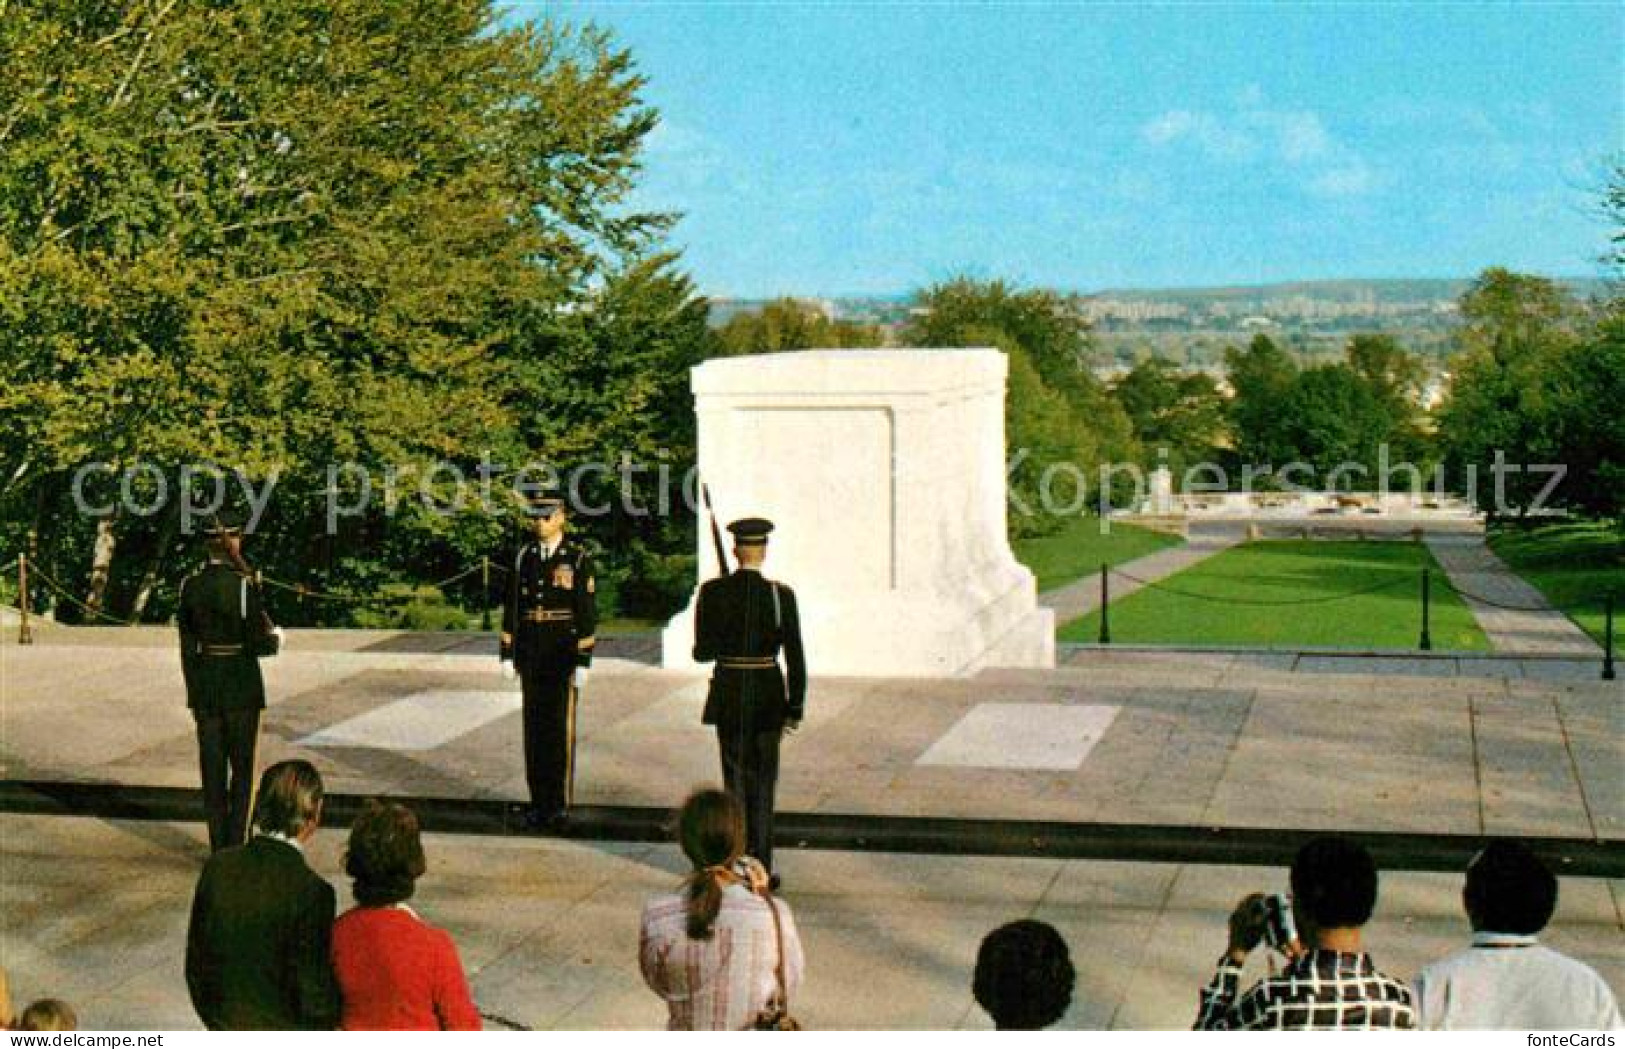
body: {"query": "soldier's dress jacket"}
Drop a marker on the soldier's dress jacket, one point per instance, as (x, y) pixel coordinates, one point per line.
(224, 631)
(550, 620)
(743, 621)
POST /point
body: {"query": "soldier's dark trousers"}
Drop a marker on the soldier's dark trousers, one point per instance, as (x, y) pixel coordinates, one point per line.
(550, 738)
(750, 772)
(225, 749)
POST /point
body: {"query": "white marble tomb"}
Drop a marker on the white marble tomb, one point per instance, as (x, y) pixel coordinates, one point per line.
(884, 471)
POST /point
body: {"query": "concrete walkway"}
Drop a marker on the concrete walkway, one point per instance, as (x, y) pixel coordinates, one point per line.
(1514, 615)
(1076, 600)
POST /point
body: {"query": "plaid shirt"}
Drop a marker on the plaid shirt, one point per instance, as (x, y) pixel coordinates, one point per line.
(1321, 991)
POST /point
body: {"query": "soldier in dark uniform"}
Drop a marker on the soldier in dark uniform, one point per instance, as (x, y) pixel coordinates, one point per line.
(548, 625)
(224, 631)
(742, 621)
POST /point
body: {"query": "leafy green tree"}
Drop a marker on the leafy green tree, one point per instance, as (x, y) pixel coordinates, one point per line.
(1332, 417)
(1515, 330)
(280, 235)
(1261, 376)
(1171, 409)
(793, 324)
(1058, 414)
(1396, 377)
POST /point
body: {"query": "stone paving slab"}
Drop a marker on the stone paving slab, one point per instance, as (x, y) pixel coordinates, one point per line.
(1196, 742)
(95, 912)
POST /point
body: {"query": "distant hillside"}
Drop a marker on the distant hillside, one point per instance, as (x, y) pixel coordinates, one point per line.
(1194, 325)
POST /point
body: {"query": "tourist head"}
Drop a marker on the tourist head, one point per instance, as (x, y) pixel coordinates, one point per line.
(385, 854)
(1334, 885)
(711, 831)
(49, 1014)
(750, 540)
(1509, 890)
(1024, 976)
(290, 799)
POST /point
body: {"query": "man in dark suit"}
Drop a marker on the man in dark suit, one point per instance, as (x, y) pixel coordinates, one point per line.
(224, 631)
(259, 945)
(549, 625)
(743, 621)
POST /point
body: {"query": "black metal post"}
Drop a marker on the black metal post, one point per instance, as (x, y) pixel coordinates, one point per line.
(25, 633)
(1608, 638)
(485, 592)
(1105, 606)
(1427, 609)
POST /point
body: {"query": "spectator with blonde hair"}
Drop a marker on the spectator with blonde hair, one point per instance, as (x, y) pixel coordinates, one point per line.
(714, 950)
(396, 972)
(49, 1014)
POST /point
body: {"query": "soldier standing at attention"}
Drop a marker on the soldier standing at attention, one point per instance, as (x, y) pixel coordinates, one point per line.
(548, 624)
(742, 621)
(224, 631)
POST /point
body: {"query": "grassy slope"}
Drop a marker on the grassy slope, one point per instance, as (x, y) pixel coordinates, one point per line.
(1574, 565)
(1294, 571)
(1080, 547)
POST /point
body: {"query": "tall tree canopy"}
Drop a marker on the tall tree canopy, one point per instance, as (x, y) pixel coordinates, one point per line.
(279, 235)
(1059, 419)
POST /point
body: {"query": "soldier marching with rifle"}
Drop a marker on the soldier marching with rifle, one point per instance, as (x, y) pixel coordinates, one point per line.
(224, 630)
(742, 622)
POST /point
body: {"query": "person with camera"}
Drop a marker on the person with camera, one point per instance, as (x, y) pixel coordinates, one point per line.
(1329, 983)
(722, 952)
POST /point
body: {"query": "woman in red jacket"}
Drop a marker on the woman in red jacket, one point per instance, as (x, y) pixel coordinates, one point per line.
(395, 971)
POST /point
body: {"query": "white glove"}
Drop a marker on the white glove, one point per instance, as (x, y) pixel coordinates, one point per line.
(581, 679)
(276, 632)
(508, 672)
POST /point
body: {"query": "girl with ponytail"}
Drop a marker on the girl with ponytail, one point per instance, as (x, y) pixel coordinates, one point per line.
(710, 950)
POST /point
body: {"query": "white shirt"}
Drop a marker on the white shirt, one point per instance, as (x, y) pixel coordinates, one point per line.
(285, 839)
(1507, 982)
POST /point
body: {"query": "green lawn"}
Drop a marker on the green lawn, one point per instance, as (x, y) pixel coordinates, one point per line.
(1574, 565)
(1080, 547)
(1207, 609)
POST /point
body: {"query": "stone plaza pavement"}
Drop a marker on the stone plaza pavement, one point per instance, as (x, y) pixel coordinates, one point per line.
(94, 910)
(1211, 739)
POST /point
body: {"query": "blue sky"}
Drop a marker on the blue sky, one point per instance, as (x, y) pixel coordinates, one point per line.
(862, 148)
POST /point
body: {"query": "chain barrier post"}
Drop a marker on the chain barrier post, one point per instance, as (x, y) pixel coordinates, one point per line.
(485, 592)
(1105, 606)
(1608, 637)
(1427, 609)
(25, 633)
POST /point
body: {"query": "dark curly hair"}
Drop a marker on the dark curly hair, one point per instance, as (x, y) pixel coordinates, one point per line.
(385, 854)
(1024, 976)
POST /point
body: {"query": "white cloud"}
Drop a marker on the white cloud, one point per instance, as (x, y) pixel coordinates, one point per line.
(1354, 179)
(1296, 140)
(1218, 139)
